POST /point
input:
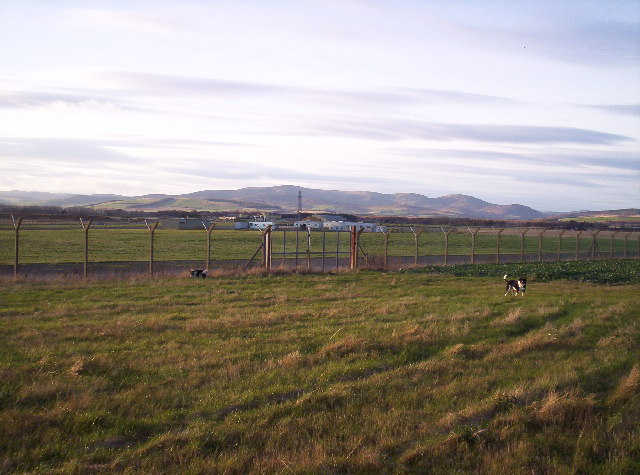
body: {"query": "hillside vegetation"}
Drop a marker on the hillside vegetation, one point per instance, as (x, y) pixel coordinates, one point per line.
(362, 372)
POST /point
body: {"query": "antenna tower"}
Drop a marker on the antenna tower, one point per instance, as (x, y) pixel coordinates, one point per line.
(299, 203)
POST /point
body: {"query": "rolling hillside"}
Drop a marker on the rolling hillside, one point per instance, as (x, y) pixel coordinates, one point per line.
(285, 199)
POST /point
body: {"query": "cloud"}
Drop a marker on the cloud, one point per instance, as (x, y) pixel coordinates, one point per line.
(62, 151)
(125, 20)
(161, 84)
(21, 100)
(622, 109)
(579, 161)
(392, 129)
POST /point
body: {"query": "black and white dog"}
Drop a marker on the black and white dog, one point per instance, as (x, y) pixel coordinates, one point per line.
(199, 273)
(515, 286)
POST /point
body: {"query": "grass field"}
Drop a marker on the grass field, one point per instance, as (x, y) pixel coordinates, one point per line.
(105, 244)
(362, 372)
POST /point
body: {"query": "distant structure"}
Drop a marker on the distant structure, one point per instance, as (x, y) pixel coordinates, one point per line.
(299, 203)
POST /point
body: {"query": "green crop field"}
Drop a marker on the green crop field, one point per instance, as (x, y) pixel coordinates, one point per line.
(361, 372)
(106, 244)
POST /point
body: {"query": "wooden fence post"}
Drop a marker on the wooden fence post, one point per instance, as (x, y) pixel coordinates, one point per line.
(355, 246)
(152, 230)
(209, 229)
(560, 242)
(498, 245)
(416, 237)
(473, 244)
(16, 225)
(86, 245)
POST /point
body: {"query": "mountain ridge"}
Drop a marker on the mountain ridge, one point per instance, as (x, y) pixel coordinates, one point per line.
(283, 199)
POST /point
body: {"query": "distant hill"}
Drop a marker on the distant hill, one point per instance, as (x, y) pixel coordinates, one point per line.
(366, 202)
(285, 199)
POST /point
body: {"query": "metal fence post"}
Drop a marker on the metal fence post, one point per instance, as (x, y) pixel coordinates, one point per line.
(626, 240)
(16, 225)
(152, 230)
(522, 233)
(284, 248)
(209, 230)
(86, 245)
(560, 242)
(540, 245)
(266, 248)
(337, 249)
(498, 245)
(386, 247)
(446, 244)
(324, 247)
(611, 244)
(416, 237)
(473, 244)
(297, 246)
(594, 245)
(308, 249)
(578, 233)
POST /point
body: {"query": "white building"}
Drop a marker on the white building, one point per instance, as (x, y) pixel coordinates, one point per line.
(339, 226)
(261, 225)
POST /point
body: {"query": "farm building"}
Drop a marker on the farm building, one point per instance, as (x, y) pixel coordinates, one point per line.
(185, 223)
(308, 224)
(193, 223)
(338, 226)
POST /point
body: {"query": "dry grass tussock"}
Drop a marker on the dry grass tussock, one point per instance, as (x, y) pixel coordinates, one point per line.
(629, 387)
(471, 313)
(417, 334)
(565, 408)
(534, 340)
(345, 346)
(469, 352)
(513, 316)
(623, 338)
(612, 311)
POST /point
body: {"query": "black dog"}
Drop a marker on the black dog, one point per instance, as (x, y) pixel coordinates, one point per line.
(199, 273)
(516, 286)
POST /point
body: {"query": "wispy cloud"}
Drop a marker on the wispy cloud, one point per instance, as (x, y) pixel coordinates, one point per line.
(32, 99)
(146, 22)
(622, 109)
(142, 84)
(392, 129)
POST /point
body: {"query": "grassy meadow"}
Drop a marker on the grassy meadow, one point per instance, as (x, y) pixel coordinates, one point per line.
(53, 246)
(362, 372)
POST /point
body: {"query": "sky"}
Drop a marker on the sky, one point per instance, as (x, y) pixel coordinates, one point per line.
(528, 102)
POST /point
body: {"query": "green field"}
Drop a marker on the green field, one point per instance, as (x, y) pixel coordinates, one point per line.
(362, 372)
(105, 244)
